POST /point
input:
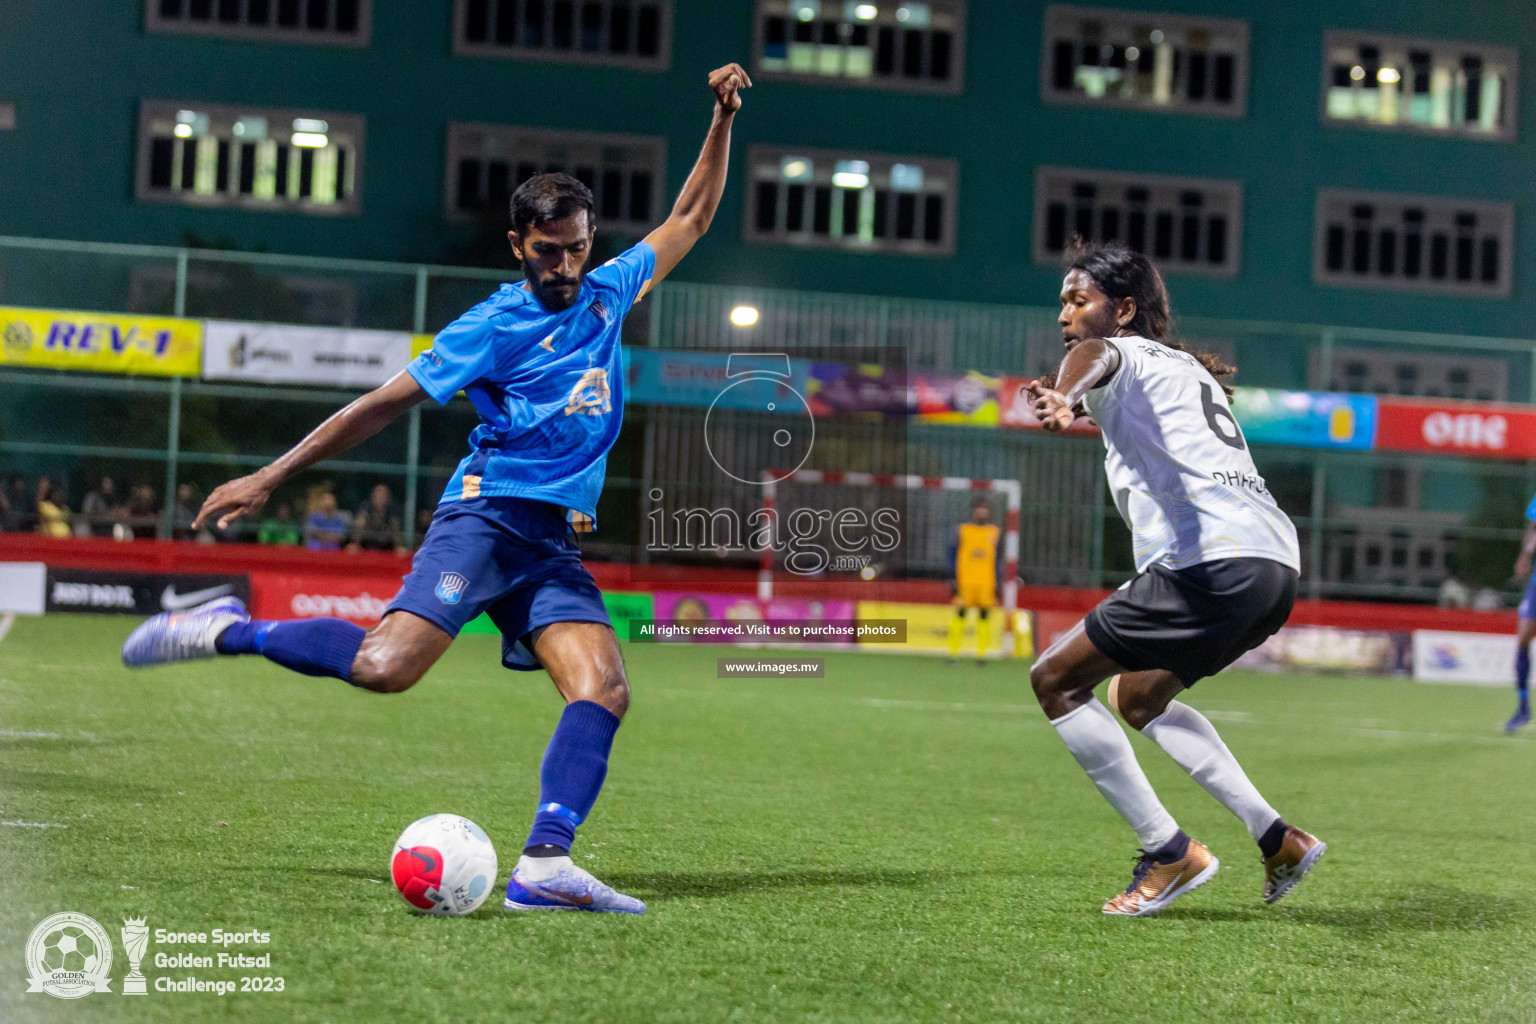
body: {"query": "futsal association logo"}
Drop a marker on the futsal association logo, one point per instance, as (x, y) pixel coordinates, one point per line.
(69, 956)
(451, 587)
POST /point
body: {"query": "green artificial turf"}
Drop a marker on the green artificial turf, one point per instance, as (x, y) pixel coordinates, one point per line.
(903, 840)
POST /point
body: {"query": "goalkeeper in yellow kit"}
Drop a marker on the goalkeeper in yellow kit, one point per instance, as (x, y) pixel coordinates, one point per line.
(975, 580)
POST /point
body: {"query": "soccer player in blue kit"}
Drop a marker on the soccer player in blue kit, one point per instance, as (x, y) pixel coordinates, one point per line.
(1527, 626)
(541, 363)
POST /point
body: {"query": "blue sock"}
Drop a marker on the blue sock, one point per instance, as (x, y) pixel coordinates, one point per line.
(572, 775)
(1523, 677)
(315, 647)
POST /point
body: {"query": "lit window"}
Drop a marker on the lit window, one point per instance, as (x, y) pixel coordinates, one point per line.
(860, 201)
(1192, 224)
(486, 163)
(887, 43)
(1145, 60)
(632, 32)
(1413, 243)
(336, 22)
(1420, 85)
(208, 155)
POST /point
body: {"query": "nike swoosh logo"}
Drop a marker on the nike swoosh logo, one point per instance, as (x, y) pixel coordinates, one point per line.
(174, 602)
(556, 894)
(429, 862)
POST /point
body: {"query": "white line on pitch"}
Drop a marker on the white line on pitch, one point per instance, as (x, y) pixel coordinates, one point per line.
(32, 824)
(6, 621)
(29, 734)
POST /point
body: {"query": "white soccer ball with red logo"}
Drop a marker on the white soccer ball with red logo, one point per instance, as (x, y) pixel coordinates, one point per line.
(444, 865)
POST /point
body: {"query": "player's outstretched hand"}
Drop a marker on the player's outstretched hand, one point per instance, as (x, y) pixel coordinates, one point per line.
(243, 496)
(727, 83)
(1051, 408)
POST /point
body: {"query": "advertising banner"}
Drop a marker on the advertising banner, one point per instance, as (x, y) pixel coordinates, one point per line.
(104, 343)
(622, 607)
(954, 398)
(23, 586)
(685, 607)
(1441, 656)
(281, 353)
(928, 628)
(1015, 409)
(137, 593)
(1326, 649)
(1306, 419)
(654, 376)
(1478, 429)
(359, 599)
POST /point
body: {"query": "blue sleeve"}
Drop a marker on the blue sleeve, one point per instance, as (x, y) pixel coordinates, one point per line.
(1530, 511)
(461, 354)
(628, 273)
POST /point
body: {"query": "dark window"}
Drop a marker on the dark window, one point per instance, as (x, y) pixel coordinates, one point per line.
(318, 14)
(640, 196)
(341, 174)
(794, 207)
(162, 152)
(306, 172)
(821, 211)
(258, 12)
(477, 21)
(611, 199)
(288, 13)
(346, 18)
(229, 11)
(851, 201)
(200, 10)
(648, 31)
(221, 175)
(933, 219)
(906, 215)
(280, 179)
(767, 205)
(188, 163)
(563, 34)
(469, 184)
(247, 183)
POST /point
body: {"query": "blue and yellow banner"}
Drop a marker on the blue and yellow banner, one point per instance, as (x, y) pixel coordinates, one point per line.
(100, 342)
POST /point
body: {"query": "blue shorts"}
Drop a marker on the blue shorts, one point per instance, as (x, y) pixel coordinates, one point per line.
(1528, 602)
(512, 558)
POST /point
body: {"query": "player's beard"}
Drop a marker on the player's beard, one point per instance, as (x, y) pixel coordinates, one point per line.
(550, 299)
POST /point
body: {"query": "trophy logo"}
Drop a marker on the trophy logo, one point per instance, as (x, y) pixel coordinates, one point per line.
(135, 939)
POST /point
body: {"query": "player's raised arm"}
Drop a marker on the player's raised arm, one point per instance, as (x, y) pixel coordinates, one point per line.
(1089, 363)
(349, 427)
(700, 197)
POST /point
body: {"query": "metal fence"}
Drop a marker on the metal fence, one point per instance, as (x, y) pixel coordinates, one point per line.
(1372, 525)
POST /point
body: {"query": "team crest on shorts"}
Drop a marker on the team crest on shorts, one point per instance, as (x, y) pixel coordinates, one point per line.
(451, 587)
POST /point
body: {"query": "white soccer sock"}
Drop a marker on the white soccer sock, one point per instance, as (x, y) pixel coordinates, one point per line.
(1192, 741)
(1104, 751)
(541, 869)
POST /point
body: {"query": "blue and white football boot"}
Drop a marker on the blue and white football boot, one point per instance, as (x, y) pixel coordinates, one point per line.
(561, 885)
(182, 635)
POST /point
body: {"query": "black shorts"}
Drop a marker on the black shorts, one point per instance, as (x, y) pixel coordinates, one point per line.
(1193, 622)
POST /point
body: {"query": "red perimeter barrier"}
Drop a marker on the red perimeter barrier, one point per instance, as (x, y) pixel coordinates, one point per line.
(279, 575)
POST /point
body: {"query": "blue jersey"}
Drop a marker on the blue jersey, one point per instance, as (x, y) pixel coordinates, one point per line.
(549, 387)
(1530, 510)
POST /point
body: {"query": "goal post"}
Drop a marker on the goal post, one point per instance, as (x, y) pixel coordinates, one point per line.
(1010, 490)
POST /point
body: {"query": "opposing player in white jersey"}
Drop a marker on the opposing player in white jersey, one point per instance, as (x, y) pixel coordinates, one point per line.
(1217, 563)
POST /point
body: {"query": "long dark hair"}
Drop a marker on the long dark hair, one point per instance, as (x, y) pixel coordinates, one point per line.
(1121, 272)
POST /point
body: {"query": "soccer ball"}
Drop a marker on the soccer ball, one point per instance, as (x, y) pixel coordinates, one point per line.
(70, 949)
(444, 865)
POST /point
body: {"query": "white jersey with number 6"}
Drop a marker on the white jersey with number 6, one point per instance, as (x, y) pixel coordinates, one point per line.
(1179, 467)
